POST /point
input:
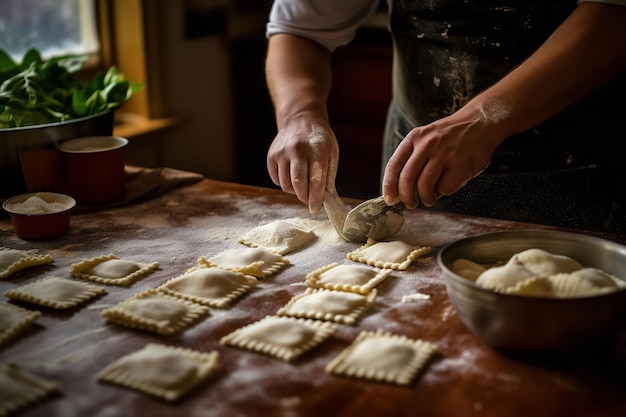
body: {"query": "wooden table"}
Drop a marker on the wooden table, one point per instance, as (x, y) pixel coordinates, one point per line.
(465, 378)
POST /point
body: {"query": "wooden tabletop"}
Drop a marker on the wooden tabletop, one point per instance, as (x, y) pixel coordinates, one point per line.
(464, 378)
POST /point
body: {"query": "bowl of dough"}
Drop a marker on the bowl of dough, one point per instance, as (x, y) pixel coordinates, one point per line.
(537, 291)
(42, 215)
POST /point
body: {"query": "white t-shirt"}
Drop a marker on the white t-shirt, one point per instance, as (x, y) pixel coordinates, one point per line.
(332, 23)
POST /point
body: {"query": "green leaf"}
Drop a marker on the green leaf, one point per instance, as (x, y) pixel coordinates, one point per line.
(78, 103)
(6, 62)
(42, 91)
(117, 93)
(32, 56)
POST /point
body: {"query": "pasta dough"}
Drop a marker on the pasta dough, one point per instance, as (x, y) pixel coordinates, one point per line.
(55, 292)
(350, 278)
(13, 320)
(251, 261)
(283, 337)
(112, 270)
(467, 269)
(279, 236)
(543, 263)
(536, 272)
(166, 372)
(214, 287)
(381, 356)
(390, 255)
(13, 260)
(19, 388)
(504, 276)
(153, 311)
(338, 306)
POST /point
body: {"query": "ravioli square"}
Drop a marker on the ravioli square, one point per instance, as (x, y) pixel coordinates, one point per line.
(257, 262)
(55, 292)
(394, 254)
(13, 320)
(214, 287)
(111, 270)
(165, 372)
(351, 278)
(329, 305)
(13, 260)
(285, 338)
(279, 237)
(19, 388)
(154, 311)
(383, 357)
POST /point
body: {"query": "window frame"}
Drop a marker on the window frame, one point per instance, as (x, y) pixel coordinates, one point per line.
(123, 45)
(128, 39)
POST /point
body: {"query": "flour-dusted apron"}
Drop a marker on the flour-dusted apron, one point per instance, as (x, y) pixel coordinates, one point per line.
(565, 172)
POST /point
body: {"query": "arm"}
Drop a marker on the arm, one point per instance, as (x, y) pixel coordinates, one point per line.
(303, 157)
(437, 159)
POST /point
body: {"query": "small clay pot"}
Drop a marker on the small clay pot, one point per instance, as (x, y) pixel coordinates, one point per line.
(38, 216)
(94, 168)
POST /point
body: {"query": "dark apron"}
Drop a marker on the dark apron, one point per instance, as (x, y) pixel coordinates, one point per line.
(566, 172)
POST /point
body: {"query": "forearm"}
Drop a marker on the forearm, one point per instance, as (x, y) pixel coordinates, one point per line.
(584, 52)
(298, 76)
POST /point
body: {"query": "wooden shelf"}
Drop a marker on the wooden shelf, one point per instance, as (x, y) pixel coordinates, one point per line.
(129, 125)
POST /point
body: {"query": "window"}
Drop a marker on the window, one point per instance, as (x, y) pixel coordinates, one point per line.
(54, 27)
(113, 32)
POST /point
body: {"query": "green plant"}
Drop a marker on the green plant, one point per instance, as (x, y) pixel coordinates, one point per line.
(38, 91)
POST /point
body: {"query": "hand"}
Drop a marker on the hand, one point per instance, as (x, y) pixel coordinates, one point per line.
(438, 159)
(303, 160)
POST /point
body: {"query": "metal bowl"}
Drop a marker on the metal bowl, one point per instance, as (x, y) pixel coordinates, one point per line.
(534, 325)
(14, 141)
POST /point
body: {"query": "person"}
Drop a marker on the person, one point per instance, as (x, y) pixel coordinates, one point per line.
(510, 110)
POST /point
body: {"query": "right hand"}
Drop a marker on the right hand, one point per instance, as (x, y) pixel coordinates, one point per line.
(302, 160)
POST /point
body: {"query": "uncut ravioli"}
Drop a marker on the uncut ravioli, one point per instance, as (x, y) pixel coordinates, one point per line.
(112, 270)
(467, 269)
(351, 278)
(13, 260)
(19, 388)
(320, 304)
(394, 254)
(156, 312)
(279, 237)
(14, 319)
(283, 337)
(166, 372)
(381, 356)
(257, 262)
(214, 287)
(538, 273)
(586, 282)
(55, 292)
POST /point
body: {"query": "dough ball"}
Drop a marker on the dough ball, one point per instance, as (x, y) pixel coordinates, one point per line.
(467, 269)
(501, 277)
(596, 277)
(544, 263)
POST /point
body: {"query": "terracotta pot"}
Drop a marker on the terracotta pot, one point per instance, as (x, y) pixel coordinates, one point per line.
(94, 168)
(28, 156)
